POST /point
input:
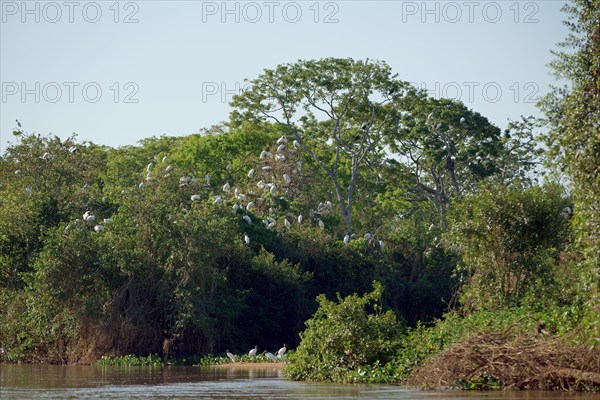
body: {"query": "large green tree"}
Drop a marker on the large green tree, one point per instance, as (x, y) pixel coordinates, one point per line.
(43, 181)
(442, 150)
(573, 114)
(337, 110)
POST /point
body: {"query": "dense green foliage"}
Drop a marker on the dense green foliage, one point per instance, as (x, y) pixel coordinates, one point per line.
(157, 272)
(573, 113)
(330, 175)
(510, 239)
(346, 339)
(181, 246)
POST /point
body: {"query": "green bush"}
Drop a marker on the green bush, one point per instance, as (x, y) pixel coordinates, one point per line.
(347, 340)
(510, 240)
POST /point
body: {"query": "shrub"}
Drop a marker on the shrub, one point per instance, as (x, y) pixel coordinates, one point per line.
(510, 240)
(347, 340)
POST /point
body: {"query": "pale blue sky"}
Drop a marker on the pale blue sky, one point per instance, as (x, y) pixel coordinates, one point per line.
(181, 57)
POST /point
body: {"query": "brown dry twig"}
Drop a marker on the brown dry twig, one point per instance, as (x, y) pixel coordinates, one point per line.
(519, 360)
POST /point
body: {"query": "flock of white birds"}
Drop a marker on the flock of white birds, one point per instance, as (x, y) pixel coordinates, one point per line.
(272, 357)
(247, 202)
(243, 203)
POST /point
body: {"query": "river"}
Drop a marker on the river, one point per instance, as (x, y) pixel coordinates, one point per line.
(90, 382)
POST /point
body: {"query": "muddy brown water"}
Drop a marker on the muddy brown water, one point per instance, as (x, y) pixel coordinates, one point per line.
(231, 382)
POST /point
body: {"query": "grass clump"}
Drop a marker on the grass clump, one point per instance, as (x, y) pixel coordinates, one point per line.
(152, 360)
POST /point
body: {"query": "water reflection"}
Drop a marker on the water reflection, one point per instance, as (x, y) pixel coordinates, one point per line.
(231, 382)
